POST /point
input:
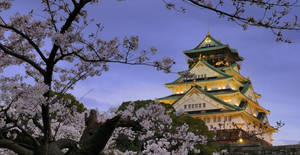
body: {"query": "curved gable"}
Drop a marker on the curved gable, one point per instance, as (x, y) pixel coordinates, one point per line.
(203, 69)
(195, 100)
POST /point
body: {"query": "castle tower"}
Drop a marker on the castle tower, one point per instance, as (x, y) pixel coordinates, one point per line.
(212, 89)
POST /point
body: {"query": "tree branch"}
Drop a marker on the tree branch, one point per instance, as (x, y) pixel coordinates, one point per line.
(36, 123)
(36, 142)
(74, 3)
(241, 19)
(9, 144)
(22, 57)
(96, 135)
(94, 138)
(67, 24)
(118, 61)
(27, 38)
(51, 15)
(65, 55)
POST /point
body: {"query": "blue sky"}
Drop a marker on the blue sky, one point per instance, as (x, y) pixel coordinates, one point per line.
(272, 66)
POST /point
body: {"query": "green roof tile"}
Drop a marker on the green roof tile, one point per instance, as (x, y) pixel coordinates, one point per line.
(246, 87)
(173, 96)
(213, 112)
(199, 80)
(205, 49)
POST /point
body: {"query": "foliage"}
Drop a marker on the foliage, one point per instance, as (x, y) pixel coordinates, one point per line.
(72, 101)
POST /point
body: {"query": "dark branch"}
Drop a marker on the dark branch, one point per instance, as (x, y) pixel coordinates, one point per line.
(119, 61)
(96, 135)
(36, 123)
(27, 38)
(67, 24)
(241, 19)
(22, 57)
(8, 144)
(51, 15)
(65, 55)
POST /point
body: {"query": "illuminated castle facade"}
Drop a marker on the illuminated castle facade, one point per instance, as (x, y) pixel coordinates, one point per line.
(212, 89)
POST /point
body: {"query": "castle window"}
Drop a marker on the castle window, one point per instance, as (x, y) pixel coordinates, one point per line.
(215, 119)
(196, 105)
(219, 119)
(203, 105)
(199, 105)
(229, 119)
(189, 106)
(225, 118)
(192, 106)
(184, 106)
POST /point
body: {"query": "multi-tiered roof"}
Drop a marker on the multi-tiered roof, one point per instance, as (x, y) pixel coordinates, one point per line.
(213, 89)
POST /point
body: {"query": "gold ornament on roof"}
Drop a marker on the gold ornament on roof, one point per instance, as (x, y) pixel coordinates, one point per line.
(207, 40)
(207, 34)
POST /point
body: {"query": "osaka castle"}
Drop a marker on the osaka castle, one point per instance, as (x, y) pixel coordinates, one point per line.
(212, 89)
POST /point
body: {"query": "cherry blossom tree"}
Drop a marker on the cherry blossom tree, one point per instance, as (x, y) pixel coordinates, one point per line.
(277, 15)
(34, 117)
(163, 131)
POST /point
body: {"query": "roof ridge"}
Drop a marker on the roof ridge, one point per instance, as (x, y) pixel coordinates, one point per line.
(205, 48)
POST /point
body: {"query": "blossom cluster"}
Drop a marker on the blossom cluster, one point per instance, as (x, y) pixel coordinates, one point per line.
(159, 135)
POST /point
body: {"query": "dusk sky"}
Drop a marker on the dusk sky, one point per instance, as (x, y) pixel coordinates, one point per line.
(272, 66)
